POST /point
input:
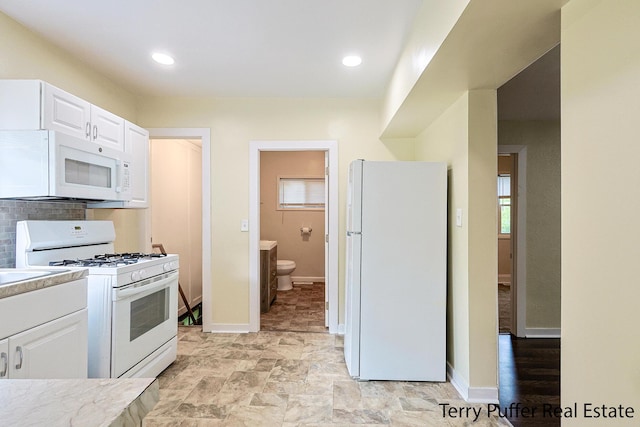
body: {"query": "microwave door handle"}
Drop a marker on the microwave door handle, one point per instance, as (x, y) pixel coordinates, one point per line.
(125, 293)
(118, 176)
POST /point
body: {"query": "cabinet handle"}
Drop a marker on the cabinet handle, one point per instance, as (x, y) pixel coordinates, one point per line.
(19, 354)
(5, 364)
(87, 130)
(95, 132)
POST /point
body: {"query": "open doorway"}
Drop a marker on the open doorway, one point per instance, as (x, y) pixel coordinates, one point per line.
(194, 145)
(330, 238)
(507, 251)
(292, 219)
(529, 128)
(176, 215)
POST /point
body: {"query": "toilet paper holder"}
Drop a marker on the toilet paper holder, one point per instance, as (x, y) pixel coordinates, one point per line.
(306, 230)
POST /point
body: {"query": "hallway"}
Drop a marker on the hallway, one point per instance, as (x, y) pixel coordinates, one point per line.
(530, 375)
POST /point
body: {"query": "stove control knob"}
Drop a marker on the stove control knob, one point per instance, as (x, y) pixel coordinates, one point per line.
(143, 273)
(135, 276)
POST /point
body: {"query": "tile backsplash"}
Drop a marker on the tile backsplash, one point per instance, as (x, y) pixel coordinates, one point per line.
(12, 211)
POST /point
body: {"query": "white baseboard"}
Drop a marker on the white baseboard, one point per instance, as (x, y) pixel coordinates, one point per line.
(341, 329)
(471, 394)
(542, 332)
(306, 279)
(232, 328)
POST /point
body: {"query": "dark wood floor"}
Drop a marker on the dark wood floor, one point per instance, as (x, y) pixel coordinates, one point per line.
(529, 375)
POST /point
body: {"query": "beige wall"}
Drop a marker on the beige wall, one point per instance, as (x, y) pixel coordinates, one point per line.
(284, 226)
(432, 25)
(542, 139)
(24, 55)
(600, 55)
(465, 137)
(236, 122)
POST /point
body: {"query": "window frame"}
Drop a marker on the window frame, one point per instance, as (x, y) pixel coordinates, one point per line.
(500, 233)
(315, 207)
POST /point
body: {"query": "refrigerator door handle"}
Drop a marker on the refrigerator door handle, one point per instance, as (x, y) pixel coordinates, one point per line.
(352, 233)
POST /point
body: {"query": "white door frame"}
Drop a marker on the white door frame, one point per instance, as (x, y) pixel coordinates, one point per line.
(204, 134)
(521, 237)
(254, 223)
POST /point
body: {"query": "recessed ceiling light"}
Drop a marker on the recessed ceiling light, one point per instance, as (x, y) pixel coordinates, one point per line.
(351, 61)
(163, 58)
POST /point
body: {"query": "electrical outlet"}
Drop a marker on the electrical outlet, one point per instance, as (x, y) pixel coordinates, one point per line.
(244, 225)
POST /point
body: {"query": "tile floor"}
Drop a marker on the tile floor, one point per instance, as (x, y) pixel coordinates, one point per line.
(300, 309)
(274, 378)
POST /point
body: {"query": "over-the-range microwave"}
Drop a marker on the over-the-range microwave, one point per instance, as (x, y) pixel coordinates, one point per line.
(43, 164)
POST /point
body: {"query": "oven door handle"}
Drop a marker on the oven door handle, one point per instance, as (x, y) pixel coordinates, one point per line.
(146, 286)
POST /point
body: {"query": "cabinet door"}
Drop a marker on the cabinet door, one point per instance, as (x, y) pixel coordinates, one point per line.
(107, 129)
(64, 112)
(136, 143)
(4, 359)
(57, 349)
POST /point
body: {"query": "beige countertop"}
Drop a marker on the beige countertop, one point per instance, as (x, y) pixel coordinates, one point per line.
(77, 402)
(57, 276)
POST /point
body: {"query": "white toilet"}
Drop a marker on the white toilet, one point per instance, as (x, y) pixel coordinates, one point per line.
(284, 268)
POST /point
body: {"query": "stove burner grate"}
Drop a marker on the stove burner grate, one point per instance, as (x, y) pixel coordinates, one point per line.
(107, 260)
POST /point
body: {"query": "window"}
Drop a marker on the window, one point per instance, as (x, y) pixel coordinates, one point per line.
(504, 203)
(300, 193)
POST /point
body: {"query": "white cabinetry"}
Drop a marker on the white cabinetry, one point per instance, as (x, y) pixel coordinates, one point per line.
(56, 349)
(34, 104)
(60, 111)
(4, 359)
(51, 343)
(136, 143)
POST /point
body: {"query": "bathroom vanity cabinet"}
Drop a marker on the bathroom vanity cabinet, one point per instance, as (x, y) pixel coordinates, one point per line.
(268, 279)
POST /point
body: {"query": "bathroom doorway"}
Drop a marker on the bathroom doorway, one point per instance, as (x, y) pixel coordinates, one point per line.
(327, 238)
(292, 213)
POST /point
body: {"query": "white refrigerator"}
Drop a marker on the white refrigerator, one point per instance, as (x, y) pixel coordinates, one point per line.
(395, 325)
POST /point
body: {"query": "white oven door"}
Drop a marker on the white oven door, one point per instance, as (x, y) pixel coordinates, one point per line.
(145, 316)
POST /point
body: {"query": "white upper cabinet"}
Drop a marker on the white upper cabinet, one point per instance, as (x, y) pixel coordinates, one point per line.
(107, 129)
(136, 143)
(34, 104)
(64, 112)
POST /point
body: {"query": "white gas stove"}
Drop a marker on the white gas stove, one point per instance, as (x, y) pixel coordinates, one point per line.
(132, 297)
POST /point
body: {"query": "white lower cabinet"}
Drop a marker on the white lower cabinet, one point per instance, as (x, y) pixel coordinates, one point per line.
(4, 359)
(57, 349)
(43, 333)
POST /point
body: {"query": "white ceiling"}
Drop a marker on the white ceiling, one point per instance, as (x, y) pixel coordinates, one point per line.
(230, 48)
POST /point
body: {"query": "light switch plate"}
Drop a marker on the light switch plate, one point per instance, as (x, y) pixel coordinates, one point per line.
(244, 225)
(459, 217)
